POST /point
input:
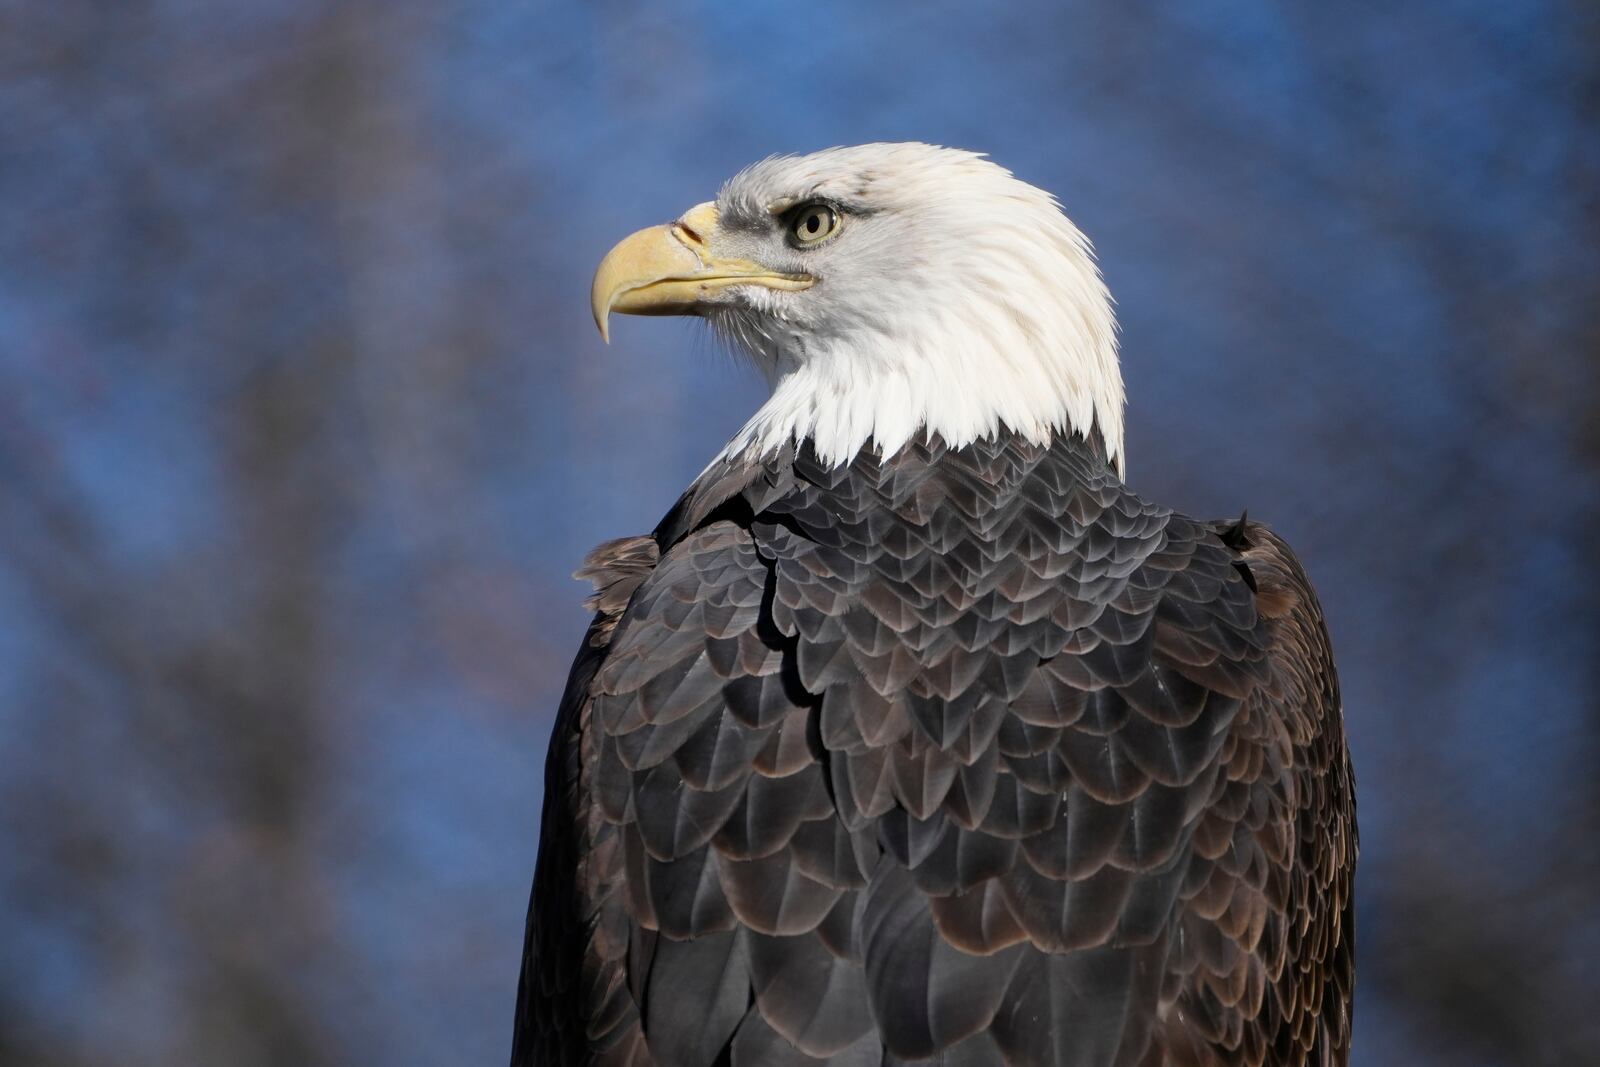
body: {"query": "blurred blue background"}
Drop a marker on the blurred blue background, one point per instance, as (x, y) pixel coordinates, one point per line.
(304, 423)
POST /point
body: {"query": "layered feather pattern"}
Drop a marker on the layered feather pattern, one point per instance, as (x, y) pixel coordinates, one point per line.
(967, 756)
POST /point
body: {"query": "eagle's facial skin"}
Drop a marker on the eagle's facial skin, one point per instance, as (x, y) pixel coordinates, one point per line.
(950, 296)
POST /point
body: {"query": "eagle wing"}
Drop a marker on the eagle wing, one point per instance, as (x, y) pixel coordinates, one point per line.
(970, 756)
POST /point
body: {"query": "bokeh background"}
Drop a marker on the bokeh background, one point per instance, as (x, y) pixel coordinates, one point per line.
(303, 425)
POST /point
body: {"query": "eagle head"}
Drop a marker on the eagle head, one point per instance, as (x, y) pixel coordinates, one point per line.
(887, 289)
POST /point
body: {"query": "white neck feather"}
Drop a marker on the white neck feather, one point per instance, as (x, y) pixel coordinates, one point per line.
(965, 389)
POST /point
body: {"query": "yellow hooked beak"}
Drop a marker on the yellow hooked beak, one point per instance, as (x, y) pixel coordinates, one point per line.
(669, 270)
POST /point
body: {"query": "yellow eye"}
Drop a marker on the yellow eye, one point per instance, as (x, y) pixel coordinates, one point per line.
(810, 223)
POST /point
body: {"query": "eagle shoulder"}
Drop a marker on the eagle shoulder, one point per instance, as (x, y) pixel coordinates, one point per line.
(1294, 917)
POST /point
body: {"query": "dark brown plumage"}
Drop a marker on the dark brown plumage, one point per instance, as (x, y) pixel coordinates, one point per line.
(964, 756)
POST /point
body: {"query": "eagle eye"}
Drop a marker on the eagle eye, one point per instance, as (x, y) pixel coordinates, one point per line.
(812, 223)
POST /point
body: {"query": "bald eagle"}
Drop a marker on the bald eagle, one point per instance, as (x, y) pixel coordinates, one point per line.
(912, 734)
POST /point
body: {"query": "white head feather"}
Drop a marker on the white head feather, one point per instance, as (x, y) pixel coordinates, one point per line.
(954, 297)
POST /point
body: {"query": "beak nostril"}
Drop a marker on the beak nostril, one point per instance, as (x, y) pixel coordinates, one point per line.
(696, 226)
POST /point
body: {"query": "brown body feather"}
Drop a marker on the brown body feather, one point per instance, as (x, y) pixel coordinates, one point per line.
(961, 756)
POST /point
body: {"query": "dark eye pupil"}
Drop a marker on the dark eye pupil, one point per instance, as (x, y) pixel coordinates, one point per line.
(813, 223)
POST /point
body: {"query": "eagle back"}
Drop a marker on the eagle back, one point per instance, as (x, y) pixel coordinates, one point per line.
(967, 754)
